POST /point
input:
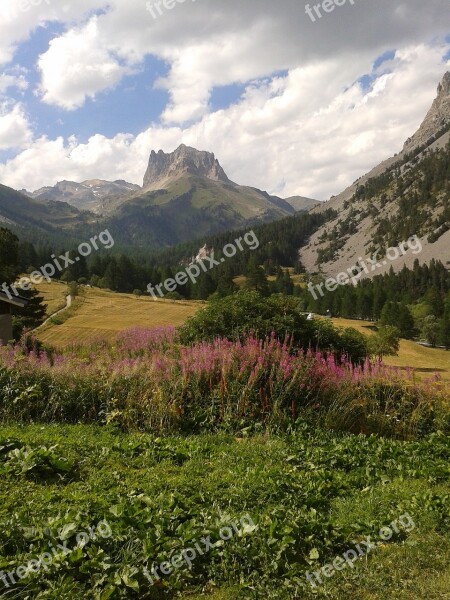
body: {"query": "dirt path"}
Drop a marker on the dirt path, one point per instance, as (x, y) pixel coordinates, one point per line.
(68, 305)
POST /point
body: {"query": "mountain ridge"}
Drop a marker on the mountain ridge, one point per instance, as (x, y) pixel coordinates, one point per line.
(433, 135)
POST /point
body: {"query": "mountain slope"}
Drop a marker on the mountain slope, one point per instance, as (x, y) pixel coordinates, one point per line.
(57, 223)
(188, 195)
(88, 195)
(20, 210)
(405, 195)
(300, 203)
(192, 207)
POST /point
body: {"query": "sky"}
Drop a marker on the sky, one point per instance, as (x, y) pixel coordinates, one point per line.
(289, 103)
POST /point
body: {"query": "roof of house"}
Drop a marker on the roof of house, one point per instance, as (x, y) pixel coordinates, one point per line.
(14, 301)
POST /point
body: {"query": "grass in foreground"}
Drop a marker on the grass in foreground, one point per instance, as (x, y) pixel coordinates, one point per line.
(310, 494)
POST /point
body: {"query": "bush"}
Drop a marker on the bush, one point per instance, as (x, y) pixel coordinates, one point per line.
(247, 311)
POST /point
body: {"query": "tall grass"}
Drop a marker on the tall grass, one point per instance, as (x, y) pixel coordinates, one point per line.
(148, 381)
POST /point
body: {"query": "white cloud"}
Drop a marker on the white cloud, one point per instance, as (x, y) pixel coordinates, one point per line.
(309, 132)
(18, 19)
(221, 42)
(9, 80)
(305, 133)
(76, 67)
(15, 132)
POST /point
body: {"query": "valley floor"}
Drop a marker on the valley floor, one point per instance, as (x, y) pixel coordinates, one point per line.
(101, 313)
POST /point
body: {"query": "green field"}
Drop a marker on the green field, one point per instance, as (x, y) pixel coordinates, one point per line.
(424, 361)
(229, 467)
(311, 496)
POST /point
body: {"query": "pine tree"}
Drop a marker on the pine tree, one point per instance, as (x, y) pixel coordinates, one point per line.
(9, 247)
(256, 278)
(32, 315)
(445, 329)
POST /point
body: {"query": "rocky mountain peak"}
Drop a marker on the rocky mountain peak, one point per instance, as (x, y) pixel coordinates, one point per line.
(437, 118)
(164, 167)
(444, 86)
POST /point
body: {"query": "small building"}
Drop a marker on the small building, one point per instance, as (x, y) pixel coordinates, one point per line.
(7, 307)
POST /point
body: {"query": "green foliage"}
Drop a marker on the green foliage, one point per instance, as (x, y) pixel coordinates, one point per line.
(37, 463)
(249, 311)
(311, 494)
(430, 330)
(9, 258)
(423, 289)
(32, 315)
(256, 278)
(73, 289)
(386, 342)
(398, 315)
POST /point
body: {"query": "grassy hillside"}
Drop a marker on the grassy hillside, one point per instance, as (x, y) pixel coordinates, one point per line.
(424, 361)
(190, 207)
(100, 313)
(54, 295)
(46, 217)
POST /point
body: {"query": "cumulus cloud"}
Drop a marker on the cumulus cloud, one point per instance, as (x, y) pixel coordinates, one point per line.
(15, 131)
(10, 80)
(303, 133)
(77, 66)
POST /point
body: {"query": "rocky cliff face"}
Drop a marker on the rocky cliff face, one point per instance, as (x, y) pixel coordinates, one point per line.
(438, 116)
(162, 167)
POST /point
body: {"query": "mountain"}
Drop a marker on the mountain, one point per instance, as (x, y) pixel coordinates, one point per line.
(36, 220)
(301, 204)
(185, 195)
(163, 169)
(405, 195)
(88, 195)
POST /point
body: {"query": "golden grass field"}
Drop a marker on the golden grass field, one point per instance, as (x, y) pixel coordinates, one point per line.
(54, 294)
(103, 314)
(424, 361)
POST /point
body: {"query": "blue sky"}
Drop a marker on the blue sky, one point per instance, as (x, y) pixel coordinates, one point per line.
(130, 107)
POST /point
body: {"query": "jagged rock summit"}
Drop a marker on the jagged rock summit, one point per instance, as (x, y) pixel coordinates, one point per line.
(163, 168)
(437, 117)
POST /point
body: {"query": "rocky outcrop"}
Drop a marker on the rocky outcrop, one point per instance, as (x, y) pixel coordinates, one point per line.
(163, 168)
(437, 118)
(433, 134)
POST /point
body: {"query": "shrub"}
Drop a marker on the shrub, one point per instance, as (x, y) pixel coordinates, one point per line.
(235, 316)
